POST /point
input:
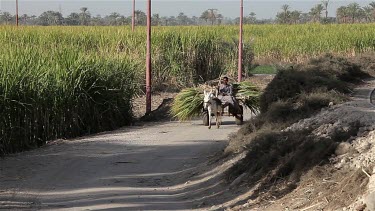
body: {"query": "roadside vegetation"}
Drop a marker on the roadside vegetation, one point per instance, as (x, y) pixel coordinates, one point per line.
(67, 82)
(297, 92)
(263, 69)
(278, 156)
(60, 82)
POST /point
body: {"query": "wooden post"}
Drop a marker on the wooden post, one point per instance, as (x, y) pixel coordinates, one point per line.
(148, 59)
(16, 12)
(240, 45)
(133, 16)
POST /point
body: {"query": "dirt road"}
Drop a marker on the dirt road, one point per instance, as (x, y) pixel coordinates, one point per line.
(137, 168)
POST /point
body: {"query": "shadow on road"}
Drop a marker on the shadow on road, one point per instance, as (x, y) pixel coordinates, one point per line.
(102, 173)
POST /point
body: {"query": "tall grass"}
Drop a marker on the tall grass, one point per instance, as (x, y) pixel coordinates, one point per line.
(298, 43)
(49, 90)
(58, 82)
(69, 81)
(182, 56)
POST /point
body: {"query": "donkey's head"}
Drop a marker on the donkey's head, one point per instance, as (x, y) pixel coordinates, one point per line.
(207, 97)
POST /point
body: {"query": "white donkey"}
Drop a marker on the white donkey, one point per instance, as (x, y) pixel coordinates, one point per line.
(213, 105)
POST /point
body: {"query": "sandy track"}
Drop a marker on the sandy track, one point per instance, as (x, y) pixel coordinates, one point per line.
(138, 168)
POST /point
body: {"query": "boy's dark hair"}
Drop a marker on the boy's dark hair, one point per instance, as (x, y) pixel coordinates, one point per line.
(225, 77)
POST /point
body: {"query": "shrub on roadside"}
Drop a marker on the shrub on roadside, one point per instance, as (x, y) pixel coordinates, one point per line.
(329, 73)
(60, 98)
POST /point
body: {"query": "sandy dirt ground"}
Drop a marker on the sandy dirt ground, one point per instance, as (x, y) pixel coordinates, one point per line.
(157, 166)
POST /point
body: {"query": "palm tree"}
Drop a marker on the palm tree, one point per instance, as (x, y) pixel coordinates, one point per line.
(285, 8)
(155, 19)
(342, 14)
(295, 16)
(195, 20)
(140, 17)
(353, 11)
(286, 12)
(33, 19)
(313, 14)
(361, 15)
(96, 21)
(25, 18)
(49, 18)
(372, 4)
(73, 19)
(219, 18)
(284, 16)
(316, 12)
(325, 4)
(182, 19)
(367, 13)
(113, 18)
(164, 20)
(83, 9)
(205, 15)
(252, 17)
(84, 16)
(304, 18)
(212, 15)
(319, 9)
(6, 16)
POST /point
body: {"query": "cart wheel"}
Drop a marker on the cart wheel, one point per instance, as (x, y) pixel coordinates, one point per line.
(372, 97)
(239, 117)
(205, 119)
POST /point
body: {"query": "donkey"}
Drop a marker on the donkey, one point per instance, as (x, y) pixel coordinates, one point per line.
(213, 105)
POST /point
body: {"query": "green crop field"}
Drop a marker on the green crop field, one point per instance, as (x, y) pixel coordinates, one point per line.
(58, 82)
(297, 43)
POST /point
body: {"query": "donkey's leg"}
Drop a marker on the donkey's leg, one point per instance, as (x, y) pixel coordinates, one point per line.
(220, 117)
(209, 117)
(217, 119)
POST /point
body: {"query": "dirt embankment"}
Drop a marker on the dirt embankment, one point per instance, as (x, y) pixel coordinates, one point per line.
(305, 152)
(345, 181)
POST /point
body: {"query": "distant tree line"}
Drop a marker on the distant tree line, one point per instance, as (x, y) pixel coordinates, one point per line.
(84, 17)
(352, 13)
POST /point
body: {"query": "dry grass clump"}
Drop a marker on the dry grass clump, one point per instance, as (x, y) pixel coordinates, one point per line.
(339, 68)
(281, 154)
(276, 161)
(328, 72)
(290, 83)
(366, 62)
(299, 92)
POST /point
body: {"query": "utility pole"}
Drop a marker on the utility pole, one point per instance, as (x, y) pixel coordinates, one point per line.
(240, 45)
(133, 16)
(148, 59)
(17, 12)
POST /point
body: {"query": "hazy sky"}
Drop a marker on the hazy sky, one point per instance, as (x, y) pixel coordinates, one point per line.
(229, 8)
